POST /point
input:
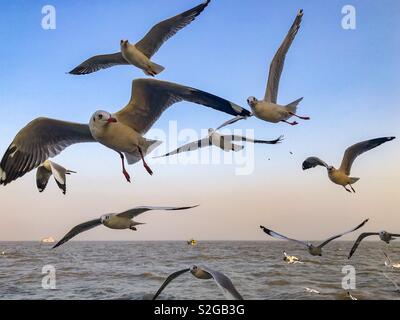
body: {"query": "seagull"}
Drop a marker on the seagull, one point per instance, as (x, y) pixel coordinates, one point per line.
(139, 54)
(122, 131)
(116, 221)
(268, 109)
(313, 250)
(290, 259)
(341, 176)
(309, 290)
(389, 262)
(224, 142)
(204, 273)
(46, 170)
(383, 235)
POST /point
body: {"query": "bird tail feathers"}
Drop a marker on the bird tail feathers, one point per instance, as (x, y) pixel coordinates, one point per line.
(293, 105)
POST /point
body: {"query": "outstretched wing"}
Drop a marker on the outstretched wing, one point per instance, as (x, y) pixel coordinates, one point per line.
(164, 30)
(358, 241)
(354, 151)
(225, 284)
(151, 97)
(77, 230)
(232, 121)
(41, 139)
(312, 162)
(168, 280)
(99, 62)
(276, 67)
(281, 237)
(342, 234)
(139, 210)
(245, 139)
(191, 146)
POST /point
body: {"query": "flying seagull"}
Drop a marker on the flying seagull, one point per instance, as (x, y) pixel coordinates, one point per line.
(383, 235)
(224, 142)
(268, 109)
(204, 273)
(341, 176)
(139, 54)
(290, 259)
(313, 250)
(122, 131)
(116, 221)
(48, 169)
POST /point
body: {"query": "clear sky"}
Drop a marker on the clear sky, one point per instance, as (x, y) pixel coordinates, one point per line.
(349, 80)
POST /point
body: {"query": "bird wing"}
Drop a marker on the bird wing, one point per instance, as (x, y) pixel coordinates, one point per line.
(232, 121)
(191, 146)
(281, 237)
(359, 239)
(151, 97)
(312, 162)
(164, 30)
(130, 214)
(42, 178)
(99, 62)
(41, 139)
(168, 280)
(344, 233)
(77, 230)
(225, 284)
(278, 62)
(59, 174)
(245, 139)
(354, 151)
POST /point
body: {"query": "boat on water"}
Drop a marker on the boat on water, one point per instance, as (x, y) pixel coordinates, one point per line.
(192, 242)
(48, 240)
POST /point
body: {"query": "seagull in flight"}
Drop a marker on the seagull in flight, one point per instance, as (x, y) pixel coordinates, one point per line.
(205, 273)
(383, 235)
(341, 176)
(224, 142)
(140, 54)
(122, 131)
(48, 169)
(268, 109)
(312, 249)
(389, 262)
(116, 221)
(290, 259)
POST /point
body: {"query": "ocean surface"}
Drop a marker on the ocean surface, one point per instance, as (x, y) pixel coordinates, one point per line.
(135, 270)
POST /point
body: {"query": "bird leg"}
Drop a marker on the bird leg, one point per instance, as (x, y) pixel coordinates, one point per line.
(126, 174)
(294, 123)
(347, 189)
(302, 118)
(144, 162)
(352, 188)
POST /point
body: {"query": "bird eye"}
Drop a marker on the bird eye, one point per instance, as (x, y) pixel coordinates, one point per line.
(100, 116)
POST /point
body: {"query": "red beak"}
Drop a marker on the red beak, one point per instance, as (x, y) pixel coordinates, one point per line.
(111, 120)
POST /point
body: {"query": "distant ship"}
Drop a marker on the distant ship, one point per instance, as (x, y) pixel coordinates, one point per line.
(48, 240)
(192, 242)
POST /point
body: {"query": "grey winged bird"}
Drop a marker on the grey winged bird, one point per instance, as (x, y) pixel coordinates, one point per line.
(48, 169)
(116, 221)
(268, 108)
(205, 273)
(122, 131)
(139, 54)
(312, 249)
(224, 142)
(383, 235)
(341, 176)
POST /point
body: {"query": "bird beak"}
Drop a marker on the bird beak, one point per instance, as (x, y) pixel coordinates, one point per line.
(111, 120)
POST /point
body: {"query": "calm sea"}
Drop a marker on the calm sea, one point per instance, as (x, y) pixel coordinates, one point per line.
(135, 270)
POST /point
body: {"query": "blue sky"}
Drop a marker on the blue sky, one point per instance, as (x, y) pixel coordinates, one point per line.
(349, 80)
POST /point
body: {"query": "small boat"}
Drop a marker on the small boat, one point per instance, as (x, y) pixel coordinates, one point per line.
(192, 242)
(48, 240)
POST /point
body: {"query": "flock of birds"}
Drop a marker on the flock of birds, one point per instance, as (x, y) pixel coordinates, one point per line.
(123, 131)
